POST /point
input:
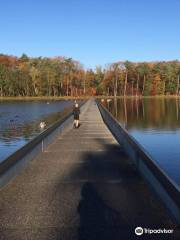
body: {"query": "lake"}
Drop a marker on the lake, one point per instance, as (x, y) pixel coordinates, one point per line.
(155, 124)
(19, 121)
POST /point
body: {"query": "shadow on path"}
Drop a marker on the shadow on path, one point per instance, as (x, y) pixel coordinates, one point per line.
(97, 220)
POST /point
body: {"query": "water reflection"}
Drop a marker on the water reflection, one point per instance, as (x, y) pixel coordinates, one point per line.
(19, 121)
(155, 123)
(157, 113)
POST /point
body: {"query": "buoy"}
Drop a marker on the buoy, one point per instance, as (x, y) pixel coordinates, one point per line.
(47, 102)
(42, 125)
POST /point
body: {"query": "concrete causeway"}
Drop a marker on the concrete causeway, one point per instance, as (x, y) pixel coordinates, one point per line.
(83, 187)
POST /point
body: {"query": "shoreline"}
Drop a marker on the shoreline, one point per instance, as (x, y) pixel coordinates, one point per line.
(140, 97)
(40, 98)
(45, 98)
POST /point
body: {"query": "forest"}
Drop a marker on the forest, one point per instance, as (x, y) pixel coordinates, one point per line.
(60, 76)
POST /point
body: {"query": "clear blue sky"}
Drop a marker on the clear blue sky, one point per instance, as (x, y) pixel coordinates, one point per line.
(92, 31)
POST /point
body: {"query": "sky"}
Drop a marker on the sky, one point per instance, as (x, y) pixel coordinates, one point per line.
(94, 32)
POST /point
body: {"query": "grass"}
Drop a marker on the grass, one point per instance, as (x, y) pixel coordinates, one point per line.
(155, 96)
(46, 98)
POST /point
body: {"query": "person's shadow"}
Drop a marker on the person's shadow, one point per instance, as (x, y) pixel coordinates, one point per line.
(97, 220)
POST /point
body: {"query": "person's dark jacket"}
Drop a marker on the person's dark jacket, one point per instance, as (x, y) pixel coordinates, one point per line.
(76, 112)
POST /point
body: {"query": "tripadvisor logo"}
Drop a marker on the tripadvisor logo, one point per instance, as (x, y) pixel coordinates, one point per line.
(139, 231)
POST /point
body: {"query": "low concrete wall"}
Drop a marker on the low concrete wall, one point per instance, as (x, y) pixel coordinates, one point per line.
(16, 162)
(167, 191)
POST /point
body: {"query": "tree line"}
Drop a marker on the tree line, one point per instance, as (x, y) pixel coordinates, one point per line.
(60, 76)
(144, 78)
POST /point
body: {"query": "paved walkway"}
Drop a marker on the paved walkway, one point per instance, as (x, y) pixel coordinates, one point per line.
(81, 187)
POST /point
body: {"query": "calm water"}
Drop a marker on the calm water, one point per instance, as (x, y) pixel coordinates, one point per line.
(155, 124)
(19, 121)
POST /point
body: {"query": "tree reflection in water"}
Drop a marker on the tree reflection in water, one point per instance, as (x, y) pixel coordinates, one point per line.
(155, 124)
(142, 113)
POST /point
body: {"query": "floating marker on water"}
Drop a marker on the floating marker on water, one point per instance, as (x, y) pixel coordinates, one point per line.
(42, 125)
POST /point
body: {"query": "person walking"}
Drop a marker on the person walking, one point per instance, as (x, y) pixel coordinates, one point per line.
(76, 112)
